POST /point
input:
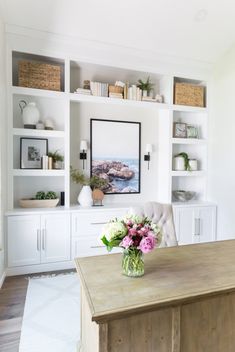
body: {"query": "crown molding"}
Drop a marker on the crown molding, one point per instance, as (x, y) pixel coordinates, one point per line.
(149, 60)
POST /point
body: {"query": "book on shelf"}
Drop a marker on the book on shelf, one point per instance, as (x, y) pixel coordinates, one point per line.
(116, 95)
(126, 90)
(83, 91)
(148, 99)
(99, 89)
(134, 93)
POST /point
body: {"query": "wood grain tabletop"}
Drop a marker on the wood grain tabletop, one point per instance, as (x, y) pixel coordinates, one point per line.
(173, 275)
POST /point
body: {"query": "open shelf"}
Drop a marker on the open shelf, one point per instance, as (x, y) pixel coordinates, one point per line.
(38, 172)
(185, 108)
(188, 141)
(38, 92)
(188, 173)
(74, 97)
(37, 133)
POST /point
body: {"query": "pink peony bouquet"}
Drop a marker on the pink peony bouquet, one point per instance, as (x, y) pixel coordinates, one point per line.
(132, 232)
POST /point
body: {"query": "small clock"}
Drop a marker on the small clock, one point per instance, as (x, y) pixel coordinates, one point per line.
(180, 130)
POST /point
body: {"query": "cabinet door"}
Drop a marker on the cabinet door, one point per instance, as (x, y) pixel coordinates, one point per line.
(184, 225)
(207, 223)
(56, 243)
(23, 240)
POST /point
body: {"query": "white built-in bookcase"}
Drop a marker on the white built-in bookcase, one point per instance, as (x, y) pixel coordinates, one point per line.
(71, 113)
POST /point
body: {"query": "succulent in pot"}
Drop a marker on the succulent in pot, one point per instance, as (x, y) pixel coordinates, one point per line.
(57, 159)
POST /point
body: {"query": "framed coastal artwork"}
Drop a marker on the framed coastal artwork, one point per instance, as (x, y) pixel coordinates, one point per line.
(115, 155)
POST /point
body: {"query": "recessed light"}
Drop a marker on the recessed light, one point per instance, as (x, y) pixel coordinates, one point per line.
(201, 15)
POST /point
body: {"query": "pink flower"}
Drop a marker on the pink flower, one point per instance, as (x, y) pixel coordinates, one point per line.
(126, 242)
(147, 244)
(132, 232)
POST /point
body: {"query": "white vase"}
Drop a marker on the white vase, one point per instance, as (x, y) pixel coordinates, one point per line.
(30, 114)
(179, 164)
(145, 93)
(85, 197)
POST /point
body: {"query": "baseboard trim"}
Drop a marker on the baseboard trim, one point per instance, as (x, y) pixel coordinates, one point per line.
(40, 268)
(2, 279)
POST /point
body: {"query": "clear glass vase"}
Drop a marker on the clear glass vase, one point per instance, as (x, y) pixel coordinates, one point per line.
(132, 263)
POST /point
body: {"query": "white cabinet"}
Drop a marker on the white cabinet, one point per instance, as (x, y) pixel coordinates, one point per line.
(55, 241)
(23, 240)
(195, 224)
(38, 239)
(86, 230)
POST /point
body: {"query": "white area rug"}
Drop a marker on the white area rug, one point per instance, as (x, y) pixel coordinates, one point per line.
(51, 321)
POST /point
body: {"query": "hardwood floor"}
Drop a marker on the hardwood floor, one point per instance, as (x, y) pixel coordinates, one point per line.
(12, 301)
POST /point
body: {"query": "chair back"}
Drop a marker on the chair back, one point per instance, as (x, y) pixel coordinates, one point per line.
(162, 215)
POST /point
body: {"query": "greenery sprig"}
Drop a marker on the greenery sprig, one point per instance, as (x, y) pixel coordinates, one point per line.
(94, 181)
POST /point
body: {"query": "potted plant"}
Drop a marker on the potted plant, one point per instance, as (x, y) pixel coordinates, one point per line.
(88, 184)
(185, 162)
(57, 159)
(146, 87)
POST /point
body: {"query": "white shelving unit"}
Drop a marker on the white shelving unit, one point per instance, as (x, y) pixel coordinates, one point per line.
(71, 114)
(67, 107)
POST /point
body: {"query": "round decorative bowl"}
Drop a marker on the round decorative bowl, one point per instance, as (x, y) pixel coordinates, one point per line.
(183, 196)
(38, 203)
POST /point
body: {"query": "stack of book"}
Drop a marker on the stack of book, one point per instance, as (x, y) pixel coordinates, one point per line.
(83, 91)
(99, 89)
(134, 93)
(116, 95)
(148, 99)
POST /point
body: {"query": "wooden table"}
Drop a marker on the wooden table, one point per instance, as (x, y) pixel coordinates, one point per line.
(185, 302)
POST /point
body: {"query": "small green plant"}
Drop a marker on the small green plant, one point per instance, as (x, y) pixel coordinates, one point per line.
(51, 195)
(186, 161)
(42, 195)
(145, 85)
(56, 156)
(94, 181)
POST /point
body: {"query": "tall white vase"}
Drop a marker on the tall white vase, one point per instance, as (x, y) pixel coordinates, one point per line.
(85, 197)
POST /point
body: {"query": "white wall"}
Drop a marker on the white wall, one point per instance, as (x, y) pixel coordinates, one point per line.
(221, 182)
(80, 129)
(2, 144)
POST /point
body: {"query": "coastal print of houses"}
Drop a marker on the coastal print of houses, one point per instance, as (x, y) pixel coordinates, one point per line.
(115, 155)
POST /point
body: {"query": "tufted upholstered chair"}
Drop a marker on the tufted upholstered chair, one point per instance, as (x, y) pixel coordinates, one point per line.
(162, 215)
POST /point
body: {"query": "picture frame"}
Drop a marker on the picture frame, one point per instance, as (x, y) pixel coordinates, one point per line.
(31, 152)
(180, 130)
(116, 154)
(192, 131)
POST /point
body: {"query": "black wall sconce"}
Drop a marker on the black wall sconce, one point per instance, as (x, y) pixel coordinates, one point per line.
(83, 152)
(149, 149)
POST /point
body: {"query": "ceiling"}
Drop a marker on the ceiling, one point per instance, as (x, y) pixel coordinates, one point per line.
(195, 29)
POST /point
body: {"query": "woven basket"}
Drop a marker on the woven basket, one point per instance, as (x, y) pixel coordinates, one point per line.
(189, 94)
(39, 75)
(116, 89)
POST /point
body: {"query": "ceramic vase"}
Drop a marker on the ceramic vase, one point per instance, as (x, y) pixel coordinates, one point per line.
(85, 197)
(30, 114)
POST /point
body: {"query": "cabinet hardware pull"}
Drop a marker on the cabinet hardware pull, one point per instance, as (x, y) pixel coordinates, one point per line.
(197, 227)
(38, 239)
(43, 239)
(76, 225)
(97, 247)
(98, 223)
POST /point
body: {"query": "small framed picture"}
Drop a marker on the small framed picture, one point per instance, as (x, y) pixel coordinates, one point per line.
(192, 131)
(31, 152)
(180, 130)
